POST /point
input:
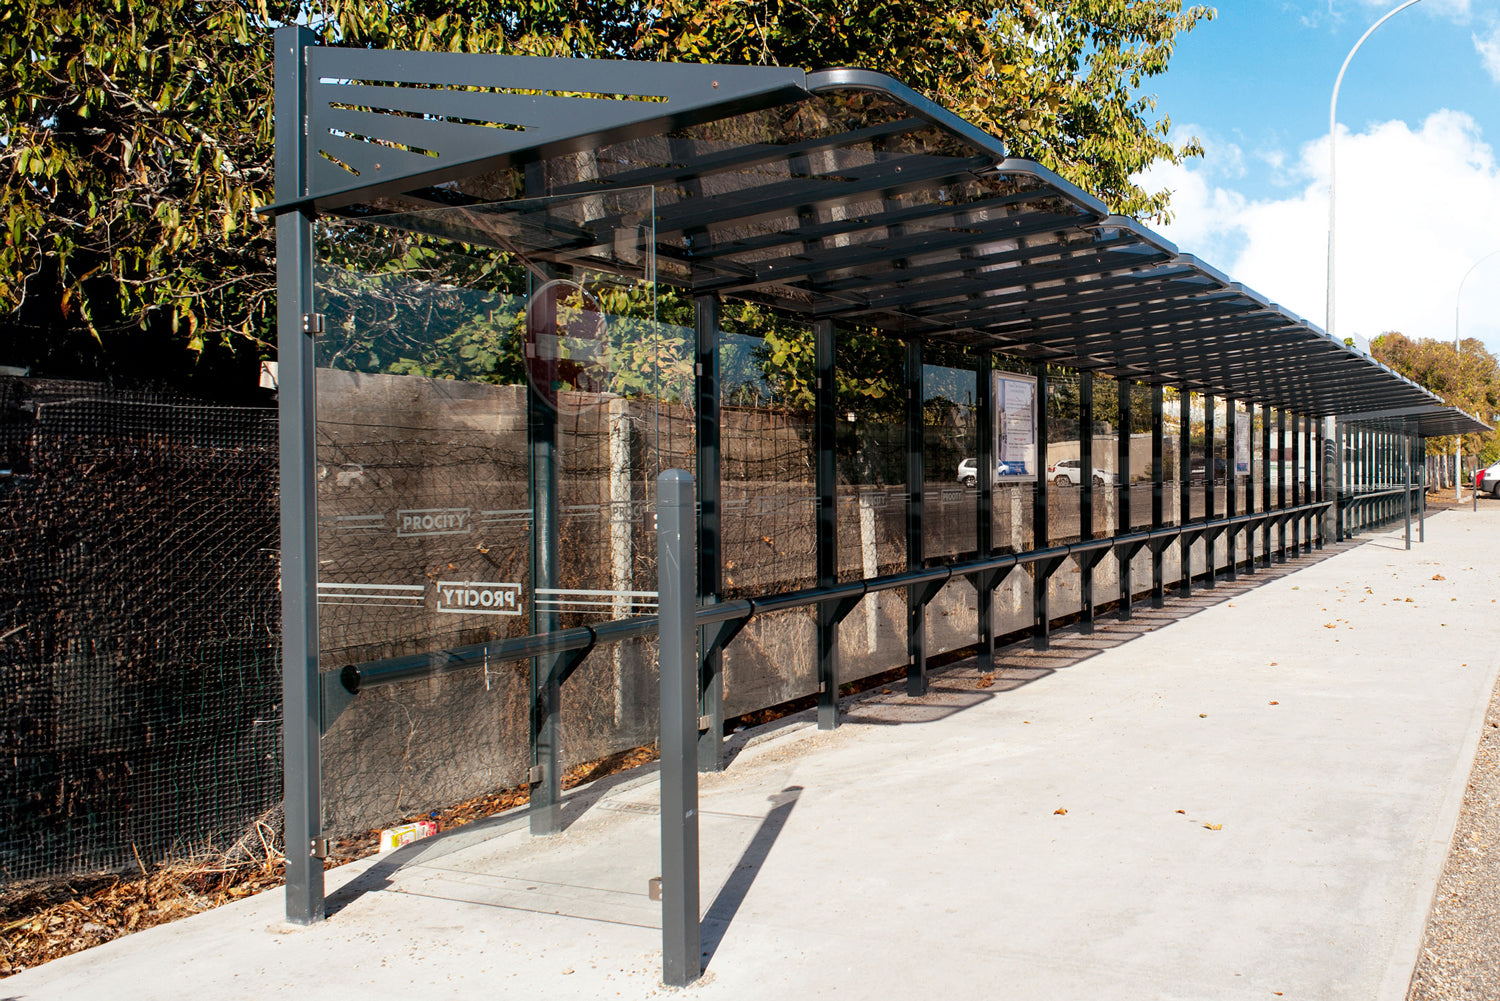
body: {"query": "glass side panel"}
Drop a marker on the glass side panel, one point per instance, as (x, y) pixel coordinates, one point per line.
(1171, 461)
(1016, 413)
(495, 398)
(1106, 434)
(768, 500)
(1140, 457)
(769, 493)
(950, 434)
(1063, 473)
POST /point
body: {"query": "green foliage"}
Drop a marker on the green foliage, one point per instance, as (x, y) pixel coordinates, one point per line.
(1060, 82)
(137, 138)
(1468, 379)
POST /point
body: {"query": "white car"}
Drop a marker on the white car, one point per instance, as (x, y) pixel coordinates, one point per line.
(1067, 473)
(1488, 479)
(968, 472)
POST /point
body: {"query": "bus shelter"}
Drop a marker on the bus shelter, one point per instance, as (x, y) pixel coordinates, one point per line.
(932, 397)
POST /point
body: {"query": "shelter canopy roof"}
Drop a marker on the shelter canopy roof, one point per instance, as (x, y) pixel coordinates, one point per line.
(841, 195)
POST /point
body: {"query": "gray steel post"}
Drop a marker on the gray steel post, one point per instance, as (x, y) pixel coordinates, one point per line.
(1328, 480)
(1123, 519)
(1184, 487)
(1040, 590)
(1422, 493)
(1265, 482)
(916, 611)
(984, 518)
(1281, 477)
(1158, 494)
(1210, 487)
(1296, 477)
(1231, 485)
(545, 780)
(710, 556)
(681, 936)
(1086, 496)
(1406, 494)
(297, 404)
(1250, 488)
(825, 428)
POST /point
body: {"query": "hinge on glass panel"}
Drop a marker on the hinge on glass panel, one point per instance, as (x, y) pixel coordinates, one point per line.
(318, 847)
(705, 724)
(535, 775)
(312, 323)
(822, 687)
(698, 369)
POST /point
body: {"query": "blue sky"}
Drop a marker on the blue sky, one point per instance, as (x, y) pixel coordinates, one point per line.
(1418, 184)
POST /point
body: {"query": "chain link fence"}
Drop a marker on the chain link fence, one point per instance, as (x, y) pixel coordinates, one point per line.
(139, 627)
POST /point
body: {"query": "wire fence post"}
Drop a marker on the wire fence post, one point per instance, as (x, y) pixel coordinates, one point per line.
(681, 937)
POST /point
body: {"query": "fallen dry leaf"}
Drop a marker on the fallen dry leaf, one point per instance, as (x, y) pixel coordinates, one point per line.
(1184, 812)
(1274, 703)
(985, 681)
(1438, 576)
(1214, 827)
(1059, 811)
(1203, 715)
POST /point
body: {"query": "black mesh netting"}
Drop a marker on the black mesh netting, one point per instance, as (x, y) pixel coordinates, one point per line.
(139, 630)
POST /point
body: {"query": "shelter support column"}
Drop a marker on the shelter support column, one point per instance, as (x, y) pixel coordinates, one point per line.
(984, 525)
(297, 404)
(916, 611)
(1123, 521)
(1231, 486)
(1282, 467)
(1250, 473)
(1296, 480)
(1210, 488)
(825, 430)
(1086, 497)
(1265, 483)
(1328, 482)
(1184, 487)
(1406, 481)
(1158, 495)
(545, 778)
(1422, 492)
(710, 551)
(1040, 581)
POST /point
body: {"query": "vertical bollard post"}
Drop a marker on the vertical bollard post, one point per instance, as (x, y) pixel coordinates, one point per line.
(676, 554)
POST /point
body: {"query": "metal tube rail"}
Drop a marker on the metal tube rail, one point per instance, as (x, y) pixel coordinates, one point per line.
(358, 677)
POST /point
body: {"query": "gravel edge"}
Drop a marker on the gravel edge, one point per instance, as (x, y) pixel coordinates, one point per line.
(1460, 956)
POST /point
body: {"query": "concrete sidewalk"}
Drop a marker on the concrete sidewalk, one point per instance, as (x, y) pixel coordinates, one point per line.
(1250, 801)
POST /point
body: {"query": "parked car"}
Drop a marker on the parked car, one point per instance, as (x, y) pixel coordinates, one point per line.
(968, 471)
(1068, 473)
(1488, 479)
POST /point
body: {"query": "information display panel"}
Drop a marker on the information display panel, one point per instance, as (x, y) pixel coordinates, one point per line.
(1015, 427)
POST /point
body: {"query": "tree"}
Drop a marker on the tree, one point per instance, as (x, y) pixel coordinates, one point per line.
(137, 139)
(1468, 379)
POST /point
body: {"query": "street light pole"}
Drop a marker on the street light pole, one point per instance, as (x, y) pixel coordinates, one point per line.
(1333, 110)
(1458, 303)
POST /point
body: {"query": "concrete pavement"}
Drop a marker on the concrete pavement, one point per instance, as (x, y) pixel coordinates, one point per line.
(1248, 794)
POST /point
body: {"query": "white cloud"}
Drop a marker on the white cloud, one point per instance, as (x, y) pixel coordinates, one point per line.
(1416, 209)
(1488, 48)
